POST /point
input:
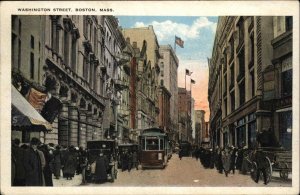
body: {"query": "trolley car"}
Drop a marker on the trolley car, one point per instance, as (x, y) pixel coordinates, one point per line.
(154, 148)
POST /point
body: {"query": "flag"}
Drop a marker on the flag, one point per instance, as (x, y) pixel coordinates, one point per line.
(193, 81)
(179, 42)
(36, 99)
(187, 72)
(51, 109)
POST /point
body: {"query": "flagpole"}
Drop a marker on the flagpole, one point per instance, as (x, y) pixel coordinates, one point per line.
(185, 80)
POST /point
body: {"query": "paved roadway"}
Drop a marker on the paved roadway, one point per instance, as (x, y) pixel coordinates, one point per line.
(179, 173)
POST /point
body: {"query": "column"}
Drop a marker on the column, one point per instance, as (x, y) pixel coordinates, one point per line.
(96, 132)
(73, 124)
(63, 124)
(82, 129)
(89, 128)
(52, 136)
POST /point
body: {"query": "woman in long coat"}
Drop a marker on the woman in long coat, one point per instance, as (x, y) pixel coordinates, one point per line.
(56, 162)
(70, 163)
(226, 160)
(47, 170)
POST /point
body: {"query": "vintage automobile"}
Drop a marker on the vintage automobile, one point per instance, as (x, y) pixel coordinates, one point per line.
(108, 148)
(126, 147)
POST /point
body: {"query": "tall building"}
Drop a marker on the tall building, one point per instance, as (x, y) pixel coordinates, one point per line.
(168, 64)
(193, 120)
(148, 71)
(250, 80)
(199, 126)
(115, 80)
(136, 66)
(184, 110)
(164, 109)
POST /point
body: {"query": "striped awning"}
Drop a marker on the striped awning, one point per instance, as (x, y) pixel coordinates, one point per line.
(24, 115)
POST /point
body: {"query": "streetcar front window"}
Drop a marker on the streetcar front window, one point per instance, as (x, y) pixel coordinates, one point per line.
(152, 144)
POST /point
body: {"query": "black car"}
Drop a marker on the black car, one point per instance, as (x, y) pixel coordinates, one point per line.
(108, 148)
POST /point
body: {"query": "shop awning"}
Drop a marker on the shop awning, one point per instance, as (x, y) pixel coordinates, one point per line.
(24, 115)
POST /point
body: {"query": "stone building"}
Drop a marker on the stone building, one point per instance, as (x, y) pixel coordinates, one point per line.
(168, 77)
(134, 66)
(193, 133)
(164, 108)
(116, 81)
(250, 64)
(184, 110)
(199, 127)
(148, 71)
(72, 58)
(27, 61)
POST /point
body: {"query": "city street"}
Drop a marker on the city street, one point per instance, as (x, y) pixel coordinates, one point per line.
(180, 173)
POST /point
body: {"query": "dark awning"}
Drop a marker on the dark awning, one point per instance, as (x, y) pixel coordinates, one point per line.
(24, 115)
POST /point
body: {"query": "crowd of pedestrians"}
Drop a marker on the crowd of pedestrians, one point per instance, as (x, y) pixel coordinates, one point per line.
(37, 164)
(129, 160)
(229, 159)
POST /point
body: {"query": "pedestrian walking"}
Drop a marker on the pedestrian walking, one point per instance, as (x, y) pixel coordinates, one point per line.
(180, 153)
(70, 163)
(239, 158)
(135, 162)
(33, 165)
(262, 164)
(124, 160)
(233, 159)
(102, 165)
(18, 157)
(13, 169)
(81, 160)
(56, 162)
(129, 161)
(47, 170)
(219, 161)
(63, 152)
(226, 158)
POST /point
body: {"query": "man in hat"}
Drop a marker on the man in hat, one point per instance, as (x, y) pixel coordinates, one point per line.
(101, 168)
(33, 164)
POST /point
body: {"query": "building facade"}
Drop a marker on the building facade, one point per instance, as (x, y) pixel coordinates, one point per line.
(199, 127)
(73, 58)
(244, 70)
(116, 81)
(184, 110)
(164, 119)
(148, 72)
(169, 78)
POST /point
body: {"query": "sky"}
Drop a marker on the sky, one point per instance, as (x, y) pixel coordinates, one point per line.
(198, 34)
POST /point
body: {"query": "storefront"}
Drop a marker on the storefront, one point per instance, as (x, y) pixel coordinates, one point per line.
(26, 122)
(285, 127)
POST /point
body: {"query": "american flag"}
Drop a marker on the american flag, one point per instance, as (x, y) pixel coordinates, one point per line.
(188, 72)
(179, 42)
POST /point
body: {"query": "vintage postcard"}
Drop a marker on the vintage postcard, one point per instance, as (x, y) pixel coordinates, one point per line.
(149, 97)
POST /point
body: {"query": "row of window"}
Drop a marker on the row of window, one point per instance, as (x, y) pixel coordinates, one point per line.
(16, 49)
